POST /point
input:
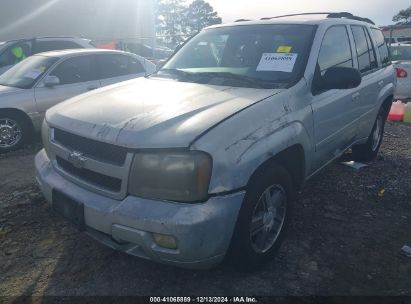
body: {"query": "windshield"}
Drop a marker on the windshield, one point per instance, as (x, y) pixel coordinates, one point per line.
(266, 56)
(401, 53)
(25, 74)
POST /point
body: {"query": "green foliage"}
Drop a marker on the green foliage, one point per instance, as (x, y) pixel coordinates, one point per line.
(403, 17)
(177, 21)
(201, 14)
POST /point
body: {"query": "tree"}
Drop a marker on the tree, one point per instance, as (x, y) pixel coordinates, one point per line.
(170, 20)
(403, 17)
(200, 14)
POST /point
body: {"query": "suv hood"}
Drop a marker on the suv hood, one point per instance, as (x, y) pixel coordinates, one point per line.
(152, 113)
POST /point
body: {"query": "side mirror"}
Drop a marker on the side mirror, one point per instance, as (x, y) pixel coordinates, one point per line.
(51, 81)
(340, 78)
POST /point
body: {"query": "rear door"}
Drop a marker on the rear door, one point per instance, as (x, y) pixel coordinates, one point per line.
(113, 68)
(335, 112)
(372, 79)
(77, 75)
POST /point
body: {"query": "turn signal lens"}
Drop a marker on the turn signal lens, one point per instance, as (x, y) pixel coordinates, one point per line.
(165, 241)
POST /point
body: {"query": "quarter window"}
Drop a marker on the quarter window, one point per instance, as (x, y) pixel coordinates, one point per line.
(335, 50)
(76, 70)
(381, 45)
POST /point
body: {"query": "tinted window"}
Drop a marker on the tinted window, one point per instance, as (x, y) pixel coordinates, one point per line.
(381, 45)
(365, 53)
(335, 49)
(115, 65)
(45, 46)
(15, 53)
(373, 57)
(76, 70)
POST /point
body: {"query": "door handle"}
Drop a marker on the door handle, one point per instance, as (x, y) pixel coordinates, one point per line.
(356, 97)
(91, 88)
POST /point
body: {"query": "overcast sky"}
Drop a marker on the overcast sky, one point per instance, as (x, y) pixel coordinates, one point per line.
(381, 11)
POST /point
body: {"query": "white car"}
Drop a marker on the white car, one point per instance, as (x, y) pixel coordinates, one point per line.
(14, 51)
(401, 56)
(41, 81)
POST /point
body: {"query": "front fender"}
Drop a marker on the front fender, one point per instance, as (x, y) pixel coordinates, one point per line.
(243, 143)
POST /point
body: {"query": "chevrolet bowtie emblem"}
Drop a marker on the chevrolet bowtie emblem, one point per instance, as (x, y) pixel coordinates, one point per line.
(77, 159)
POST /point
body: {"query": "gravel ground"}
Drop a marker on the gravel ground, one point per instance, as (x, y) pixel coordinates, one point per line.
(345, 239)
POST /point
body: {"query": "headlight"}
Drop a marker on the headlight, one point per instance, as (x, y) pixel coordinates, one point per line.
(174, 176)
(45, 135)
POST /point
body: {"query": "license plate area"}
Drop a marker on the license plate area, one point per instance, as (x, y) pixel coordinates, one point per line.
(69, 209)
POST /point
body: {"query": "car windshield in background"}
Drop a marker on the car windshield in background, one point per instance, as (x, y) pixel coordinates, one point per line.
(25, 74)
(263, 56)
(401, 52)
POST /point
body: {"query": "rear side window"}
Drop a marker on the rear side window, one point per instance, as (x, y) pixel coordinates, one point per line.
(45, 46)
(381, 46)
(115, 65)
(365, 52)
(76, 70)
(335, 50)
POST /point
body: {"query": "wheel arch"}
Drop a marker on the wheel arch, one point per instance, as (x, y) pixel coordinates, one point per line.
(292, 159)
(21, 114)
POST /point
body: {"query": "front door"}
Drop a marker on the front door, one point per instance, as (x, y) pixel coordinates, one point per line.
(77, 75)
(335, 111)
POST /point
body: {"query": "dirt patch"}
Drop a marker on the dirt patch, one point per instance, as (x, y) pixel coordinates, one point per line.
(344, 240)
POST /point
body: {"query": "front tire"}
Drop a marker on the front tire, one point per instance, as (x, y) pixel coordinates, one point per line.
(263, 219)
(368, 151)
(14, 131)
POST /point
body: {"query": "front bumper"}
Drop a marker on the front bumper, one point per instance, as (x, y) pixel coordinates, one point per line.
(203, 231)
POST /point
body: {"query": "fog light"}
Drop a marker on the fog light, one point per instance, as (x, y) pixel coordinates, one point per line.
(166, 241)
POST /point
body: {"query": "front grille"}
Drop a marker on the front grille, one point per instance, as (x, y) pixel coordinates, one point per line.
(96, 179)
(91, 148)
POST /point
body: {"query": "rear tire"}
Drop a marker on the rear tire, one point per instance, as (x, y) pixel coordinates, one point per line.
(263, 219)
(14, 131)
(368, 151)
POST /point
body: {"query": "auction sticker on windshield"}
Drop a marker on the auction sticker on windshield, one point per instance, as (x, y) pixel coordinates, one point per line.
(277, 62)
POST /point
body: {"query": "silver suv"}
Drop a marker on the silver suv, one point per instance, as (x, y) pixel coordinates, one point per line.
(201, 160)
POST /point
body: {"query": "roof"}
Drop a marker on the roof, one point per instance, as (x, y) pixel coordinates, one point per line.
(46, 37)
(64, 53)
(308, 19)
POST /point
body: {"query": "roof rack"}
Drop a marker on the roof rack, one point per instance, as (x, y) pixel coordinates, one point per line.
(329, 15)
(242, 20)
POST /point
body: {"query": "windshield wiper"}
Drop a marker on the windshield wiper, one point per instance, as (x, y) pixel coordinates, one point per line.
(256, 82)
(179, 74)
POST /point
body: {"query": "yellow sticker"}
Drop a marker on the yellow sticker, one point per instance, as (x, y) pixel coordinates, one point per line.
(284, 49)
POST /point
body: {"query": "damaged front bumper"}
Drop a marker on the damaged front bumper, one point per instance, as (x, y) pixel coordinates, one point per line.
(202, 231)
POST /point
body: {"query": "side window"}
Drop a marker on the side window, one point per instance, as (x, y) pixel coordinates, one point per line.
(76, 70)
(135, 66)
(45, 46)
(381, 45)
(115, 65)
(371, 50)
(365, 53)
(15, 53)
(335, 50)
